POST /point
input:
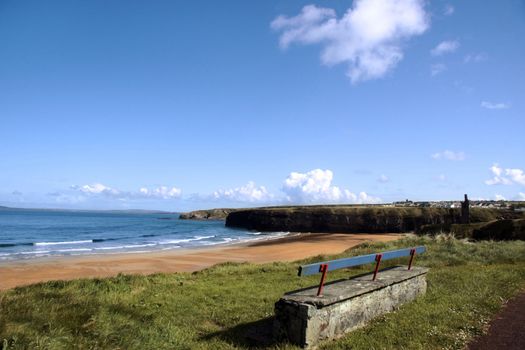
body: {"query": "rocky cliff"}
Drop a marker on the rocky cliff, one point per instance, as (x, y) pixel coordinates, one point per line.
(209, 214)
(351, 219)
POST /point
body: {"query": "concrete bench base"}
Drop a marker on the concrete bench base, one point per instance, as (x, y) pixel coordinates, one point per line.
(305, 319)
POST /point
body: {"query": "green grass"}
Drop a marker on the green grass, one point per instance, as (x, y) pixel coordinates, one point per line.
(217, 308)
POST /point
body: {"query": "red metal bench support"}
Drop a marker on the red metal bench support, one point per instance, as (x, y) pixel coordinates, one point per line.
(378, 261)
(323, 269)
(412, 254)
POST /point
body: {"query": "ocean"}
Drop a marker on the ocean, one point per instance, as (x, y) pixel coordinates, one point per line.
(29, 234)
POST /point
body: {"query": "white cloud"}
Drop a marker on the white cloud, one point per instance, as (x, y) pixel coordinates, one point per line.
(315, 186)
(444, 47)
(248, 193)
(368, 37)
(437, 68)
(449, 10)
(364, 198)
(477, 57)
(383, 178)
(449, 155)
(499, 197)
(490, 105)
(98, 189)
(162, 192)
(506, 176)
(521, 196)
(516, 175)
(498, 178)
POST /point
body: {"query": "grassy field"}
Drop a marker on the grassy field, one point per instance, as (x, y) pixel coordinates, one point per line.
(226, 306)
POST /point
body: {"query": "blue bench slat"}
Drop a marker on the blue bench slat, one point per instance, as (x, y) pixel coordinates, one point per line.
(312, 269)
(393, 254)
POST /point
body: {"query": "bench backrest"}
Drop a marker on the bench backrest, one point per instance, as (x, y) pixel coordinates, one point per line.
(312, 269)
(325, 266)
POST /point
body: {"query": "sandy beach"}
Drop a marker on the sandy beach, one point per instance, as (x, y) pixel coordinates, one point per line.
(288, 248)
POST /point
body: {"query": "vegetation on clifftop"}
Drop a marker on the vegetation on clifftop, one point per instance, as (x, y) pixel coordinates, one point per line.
(230, 305)
(505, 229)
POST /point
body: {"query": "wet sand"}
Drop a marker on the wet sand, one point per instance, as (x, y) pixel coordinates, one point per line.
(290, 248)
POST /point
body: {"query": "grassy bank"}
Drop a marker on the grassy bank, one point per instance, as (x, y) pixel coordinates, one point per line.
(492, 230)
(228, 305)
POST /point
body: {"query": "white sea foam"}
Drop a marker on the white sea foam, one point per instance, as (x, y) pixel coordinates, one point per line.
(170, 248)
(74, 250)
(140, 245)
(128, 246)
(186, 240)
(268, 237)
(62, 243)
(36, 252)
(110, 248)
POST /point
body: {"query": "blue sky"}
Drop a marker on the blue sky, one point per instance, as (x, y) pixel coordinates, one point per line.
(181, 105)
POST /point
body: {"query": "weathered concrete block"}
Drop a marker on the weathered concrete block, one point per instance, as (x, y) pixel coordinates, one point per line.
(305, 319)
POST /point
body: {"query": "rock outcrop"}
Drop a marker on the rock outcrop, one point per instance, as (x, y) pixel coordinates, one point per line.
(351, 219)
(209, 214)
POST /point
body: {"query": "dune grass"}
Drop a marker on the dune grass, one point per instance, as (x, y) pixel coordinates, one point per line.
(227, 306)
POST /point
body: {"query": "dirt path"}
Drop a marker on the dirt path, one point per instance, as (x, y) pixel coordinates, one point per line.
(507, 330)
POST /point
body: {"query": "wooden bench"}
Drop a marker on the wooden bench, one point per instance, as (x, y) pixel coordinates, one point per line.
(325, 266)
(330, 310)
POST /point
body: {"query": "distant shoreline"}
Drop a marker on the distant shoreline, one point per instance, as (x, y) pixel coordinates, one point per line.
(109, 211)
